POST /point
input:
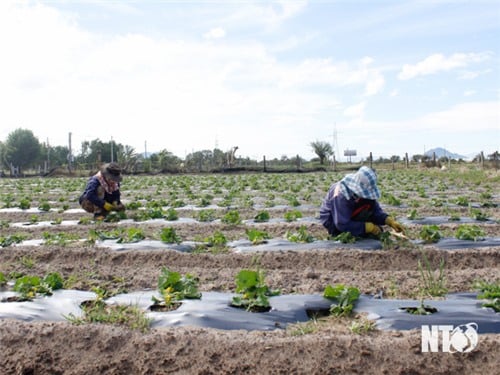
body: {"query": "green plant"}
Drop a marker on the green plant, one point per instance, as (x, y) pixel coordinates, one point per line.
(261, 217)
(413, 215)
(3, 279)
(253, 291)
(300, 236)
(430, 233)
(11, 239)
(462, 201)
(478, 214)
(469, 232)
(206, 215)
(490, 292)
(231, 217)
(174, 287)
(344, 297)
(61, 239)
(292, 215)
(217, 239)
(432, 285)
(44, 206)
(345, 237)
(362, 327)
(98, 311)
(29, 287)
(171, 214)
(257, 236)
(169, 235)
(27, 262)
(25, 203)
(132, 235)
(421, 309)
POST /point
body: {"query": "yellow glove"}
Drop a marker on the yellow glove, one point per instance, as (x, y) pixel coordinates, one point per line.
(372, 228)
(394, 224)
(108, 206)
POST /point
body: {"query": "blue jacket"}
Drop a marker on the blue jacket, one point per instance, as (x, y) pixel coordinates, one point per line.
(338, 214)
(94, 190)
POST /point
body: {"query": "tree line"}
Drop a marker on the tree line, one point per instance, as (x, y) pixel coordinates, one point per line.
(22, 151)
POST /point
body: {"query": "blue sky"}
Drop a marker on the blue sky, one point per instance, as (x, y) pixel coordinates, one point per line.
(270, 77)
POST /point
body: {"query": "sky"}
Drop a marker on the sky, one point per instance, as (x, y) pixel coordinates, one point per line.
(387, 77)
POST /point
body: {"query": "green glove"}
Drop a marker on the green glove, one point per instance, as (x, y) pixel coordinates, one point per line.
(372, 228)
(394, 224)
(108, 206)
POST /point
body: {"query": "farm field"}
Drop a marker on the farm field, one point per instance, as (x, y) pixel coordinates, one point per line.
(214, 226)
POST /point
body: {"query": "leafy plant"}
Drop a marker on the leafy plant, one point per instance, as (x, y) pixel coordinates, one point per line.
(206, 215)
(217, 239)
(174, 287)
(11, 239)
(345, 237)
(231, 217)
(300, 236)
(469, 232)
(292, 215)
(169, 235)
(261, 217)
(131, 235)
(430, 233)
(44, 206)
(257, 236)
(61, 239)
(490, 292)
(29, 287)
(253, 291)
(344, 297)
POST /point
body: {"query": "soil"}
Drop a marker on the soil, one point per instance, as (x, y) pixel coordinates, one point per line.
(322, 346)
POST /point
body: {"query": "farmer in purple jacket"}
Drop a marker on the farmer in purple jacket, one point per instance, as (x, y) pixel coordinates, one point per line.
(102, 192)
(351, 206)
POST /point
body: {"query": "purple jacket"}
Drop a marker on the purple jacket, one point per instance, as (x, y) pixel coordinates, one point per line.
(338, 214)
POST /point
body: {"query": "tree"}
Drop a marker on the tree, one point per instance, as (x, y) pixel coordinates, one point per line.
(22, 149)
(322, 149)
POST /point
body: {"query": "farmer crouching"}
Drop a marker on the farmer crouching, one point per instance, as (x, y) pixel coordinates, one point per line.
(351, 206)
(102, 192)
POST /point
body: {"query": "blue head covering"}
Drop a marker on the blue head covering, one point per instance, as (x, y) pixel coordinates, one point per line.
(363, 184)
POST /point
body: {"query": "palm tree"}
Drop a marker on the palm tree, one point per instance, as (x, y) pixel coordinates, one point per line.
(322, 149)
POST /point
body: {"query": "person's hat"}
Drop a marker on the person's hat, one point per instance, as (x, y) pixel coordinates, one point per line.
(363, 183)
(112, 171)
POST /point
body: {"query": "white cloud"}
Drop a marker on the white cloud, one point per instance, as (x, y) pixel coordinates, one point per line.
(215, 33)
(440, 63)
(470, 92)
(356, 111)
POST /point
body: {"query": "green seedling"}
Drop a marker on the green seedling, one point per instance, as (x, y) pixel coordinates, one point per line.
(344, 297)
(292, 215)
(490, 293)
(300, 236)
(11, 239)
(253, 291)
(232, 218)
(345, 237)
(206, 215)
(261, 217)
(430, 233)
(257, 236)
(469, 232)
(169, 235)
(173, 288)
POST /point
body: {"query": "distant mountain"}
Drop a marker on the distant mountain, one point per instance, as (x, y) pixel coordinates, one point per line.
(440, 152)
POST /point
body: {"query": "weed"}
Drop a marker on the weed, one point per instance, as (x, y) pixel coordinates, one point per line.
(432, 285)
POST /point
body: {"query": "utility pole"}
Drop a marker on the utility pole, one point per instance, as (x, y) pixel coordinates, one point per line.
(70, 156)
(112, 149)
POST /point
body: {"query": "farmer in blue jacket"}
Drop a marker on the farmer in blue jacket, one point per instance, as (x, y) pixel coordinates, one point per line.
(351, 206)
(102, 192)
